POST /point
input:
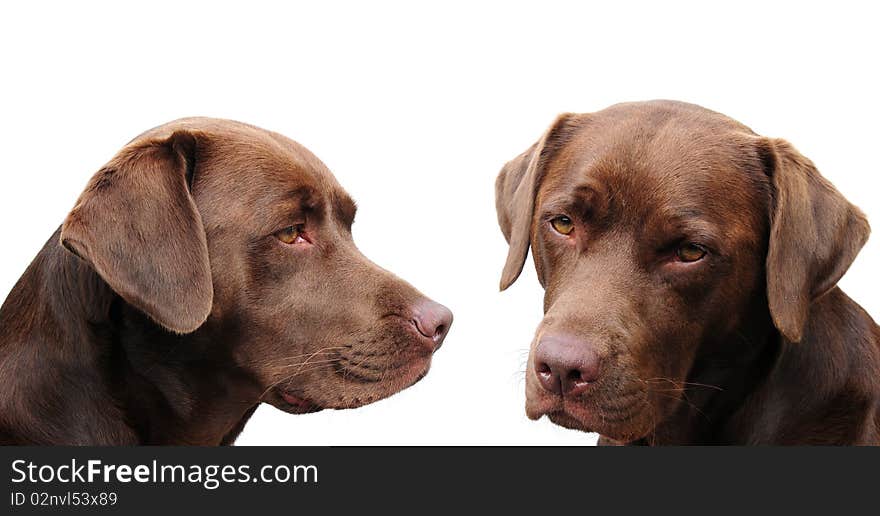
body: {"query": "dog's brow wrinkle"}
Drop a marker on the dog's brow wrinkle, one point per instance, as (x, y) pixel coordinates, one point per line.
(689, 213)
(306, 197)
(345, 207)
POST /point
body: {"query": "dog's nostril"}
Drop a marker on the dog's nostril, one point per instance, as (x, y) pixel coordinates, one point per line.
(547, 378)
(576, 376)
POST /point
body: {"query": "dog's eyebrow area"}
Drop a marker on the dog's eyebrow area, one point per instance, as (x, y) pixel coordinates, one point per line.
(294, 206)
(344, 208)
(305, 202)
(679, 224)
(586, 201)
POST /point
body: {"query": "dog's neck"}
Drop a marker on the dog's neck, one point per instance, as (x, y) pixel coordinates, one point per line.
(86, 367)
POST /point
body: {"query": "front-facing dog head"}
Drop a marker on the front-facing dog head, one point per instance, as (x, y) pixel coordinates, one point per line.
(661, 232)
(218, 229)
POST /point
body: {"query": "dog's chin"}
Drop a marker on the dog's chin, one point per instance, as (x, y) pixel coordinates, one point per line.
(343, 389)
(625, 424)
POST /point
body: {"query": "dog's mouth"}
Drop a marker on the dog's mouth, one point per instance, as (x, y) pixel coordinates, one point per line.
(362, 371)
(621, 416)
(294, 402)
(350, 379)
(383, 371)
(364, 384)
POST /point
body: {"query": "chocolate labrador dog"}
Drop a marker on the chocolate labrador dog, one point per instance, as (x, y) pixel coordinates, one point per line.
(207, 268)
(690, 269)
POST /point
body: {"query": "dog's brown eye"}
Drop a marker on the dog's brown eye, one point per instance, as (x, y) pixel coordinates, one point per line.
(290, 235)
(563, 225)
(690, 252)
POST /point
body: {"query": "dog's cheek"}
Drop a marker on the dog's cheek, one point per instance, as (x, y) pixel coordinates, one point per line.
(272, 271)
(670, 336)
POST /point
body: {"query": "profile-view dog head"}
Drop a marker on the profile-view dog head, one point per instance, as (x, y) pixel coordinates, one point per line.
(232, 249)
(663, 234)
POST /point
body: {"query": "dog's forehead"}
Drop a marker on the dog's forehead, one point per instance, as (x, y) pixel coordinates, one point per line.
(247, 172)
(659, 155)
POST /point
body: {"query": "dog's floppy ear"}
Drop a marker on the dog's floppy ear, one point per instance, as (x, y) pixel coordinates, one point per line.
(137, 225)
(515, 191)
(815, 234)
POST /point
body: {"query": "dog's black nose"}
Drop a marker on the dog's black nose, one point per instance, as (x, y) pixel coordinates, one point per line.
(565, 364)
(433, 321)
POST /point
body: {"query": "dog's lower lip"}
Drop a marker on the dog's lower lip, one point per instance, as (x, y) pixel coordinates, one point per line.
(299, 402)
(584, 415)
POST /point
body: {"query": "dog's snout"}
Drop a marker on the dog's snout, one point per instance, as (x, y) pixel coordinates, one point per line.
(432, 320)
(565, 364)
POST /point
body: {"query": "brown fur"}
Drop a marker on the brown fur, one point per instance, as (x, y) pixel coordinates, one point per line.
(165, 309)
(754, 343)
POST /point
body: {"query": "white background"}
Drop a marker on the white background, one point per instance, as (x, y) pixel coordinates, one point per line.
(415, 109)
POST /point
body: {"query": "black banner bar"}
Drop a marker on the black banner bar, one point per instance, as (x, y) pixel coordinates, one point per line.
(411, 480)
